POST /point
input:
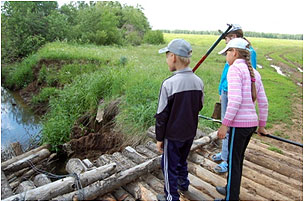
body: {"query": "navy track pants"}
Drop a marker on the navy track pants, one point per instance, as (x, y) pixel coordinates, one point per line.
(174, 166)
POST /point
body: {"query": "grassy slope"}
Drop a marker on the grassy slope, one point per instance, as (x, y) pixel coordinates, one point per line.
(138, 82)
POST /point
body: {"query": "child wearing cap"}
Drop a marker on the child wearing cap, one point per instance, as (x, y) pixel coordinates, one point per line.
(244, 88)
(180, 100)
(235, 32)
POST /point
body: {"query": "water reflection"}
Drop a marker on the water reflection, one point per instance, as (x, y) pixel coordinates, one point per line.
(18, 123)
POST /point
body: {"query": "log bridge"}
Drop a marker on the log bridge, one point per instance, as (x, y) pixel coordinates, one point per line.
(135, 174)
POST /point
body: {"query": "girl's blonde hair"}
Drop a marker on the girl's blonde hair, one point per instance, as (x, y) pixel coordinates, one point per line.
(245, 54)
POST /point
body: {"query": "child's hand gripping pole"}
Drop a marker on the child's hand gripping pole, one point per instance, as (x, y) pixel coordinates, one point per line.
(212, 47)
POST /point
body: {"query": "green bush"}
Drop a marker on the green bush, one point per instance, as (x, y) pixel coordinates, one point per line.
(154, 37)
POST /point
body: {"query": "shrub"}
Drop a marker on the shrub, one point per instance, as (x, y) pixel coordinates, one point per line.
(154, 37)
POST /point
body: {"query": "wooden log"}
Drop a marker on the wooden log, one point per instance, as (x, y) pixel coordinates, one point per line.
(25, 186)
(151, 133)
(254, 187)
(22, 163)
(152, 146)
(28, 174)
(216, 180)
(134, 155)
(122, 195)
(6, 190)
(262, 160)
(41, 179)
(107, 185)
(88, 164)
(196, 143)
(106, 197)
(276, 156)
(22, 156)
(263, 191)
(145, 151)
(17, 173)
(272, 174)
(147, 193)
(156, 184)
(126, 163)
(104, 160)
(14, 184)
(75, 165)
(194, 194)
(66, 185)
(204, 187)
(273, 184)
(133, 189)
(290, 154)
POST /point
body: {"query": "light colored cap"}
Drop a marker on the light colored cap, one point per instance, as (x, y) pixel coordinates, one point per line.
(235, 27)
(235, 43)
(179, 47)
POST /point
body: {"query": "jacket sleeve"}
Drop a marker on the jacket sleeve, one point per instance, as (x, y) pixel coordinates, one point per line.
(234, 94)
(162, 115)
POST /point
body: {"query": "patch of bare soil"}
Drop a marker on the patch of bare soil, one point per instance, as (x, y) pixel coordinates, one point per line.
(90, 138)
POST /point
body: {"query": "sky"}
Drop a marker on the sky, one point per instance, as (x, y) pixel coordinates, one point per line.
(269, 16)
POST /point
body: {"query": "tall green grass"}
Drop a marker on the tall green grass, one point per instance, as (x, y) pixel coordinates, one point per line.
(135, 74)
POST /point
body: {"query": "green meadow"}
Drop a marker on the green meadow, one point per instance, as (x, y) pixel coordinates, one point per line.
(134, 75)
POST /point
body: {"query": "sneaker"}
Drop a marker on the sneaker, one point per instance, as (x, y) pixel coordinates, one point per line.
(161, 197)
(182, 188)
(221, 190)
(221, 168)
(183, 185)
(217, 157)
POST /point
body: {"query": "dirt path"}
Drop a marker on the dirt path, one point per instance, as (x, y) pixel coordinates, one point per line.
(294, 131)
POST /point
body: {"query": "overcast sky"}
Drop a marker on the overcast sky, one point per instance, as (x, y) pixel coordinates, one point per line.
(275, 16)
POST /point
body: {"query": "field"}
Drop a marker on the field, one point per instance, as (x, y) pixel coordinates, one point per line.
(68, 81)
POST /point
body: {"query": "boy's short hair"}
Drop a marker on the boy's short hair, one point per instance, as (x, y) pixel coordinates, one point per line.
(185, 61)
(179, 47)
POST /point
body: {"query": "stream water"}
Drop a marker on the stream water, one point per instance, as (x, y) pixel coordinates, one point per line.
(18, 122)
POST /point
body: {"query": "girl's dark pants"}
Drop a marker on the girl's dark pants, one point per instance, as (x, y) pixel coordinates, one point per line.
(174, 166)
(238, 141)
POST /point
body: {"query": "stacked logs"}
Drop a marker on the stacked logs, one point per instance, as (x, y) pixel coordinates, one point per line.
(135, 174)
(126, 176)
(20, 169)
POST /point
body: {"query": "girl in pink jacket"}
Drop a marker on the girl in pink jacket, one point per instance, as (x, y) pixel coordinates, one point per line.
(244, 88)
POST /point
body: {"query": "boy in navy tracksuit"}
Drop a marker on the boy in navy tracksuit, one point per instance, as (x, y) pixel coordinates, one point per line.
(180, 100)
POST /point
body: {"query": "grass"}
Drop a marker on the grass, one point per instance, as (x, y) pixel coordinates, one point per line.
(275, 149)
(135, 74)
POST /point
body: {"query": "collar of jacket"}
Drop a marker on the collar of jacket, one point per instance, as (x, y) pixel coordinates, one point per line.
(187, 69)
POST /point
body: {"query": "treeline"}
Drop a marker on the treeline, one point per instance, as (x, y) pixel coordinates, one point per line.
(28, 25)
(248, 34)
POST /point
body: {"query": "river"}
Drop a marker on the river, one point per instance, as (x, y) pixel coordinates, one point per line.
(18, 122)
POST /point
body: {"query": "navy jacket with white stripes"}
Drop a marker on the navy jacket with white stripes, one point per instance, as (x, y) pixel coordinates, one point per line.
(181, 98)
